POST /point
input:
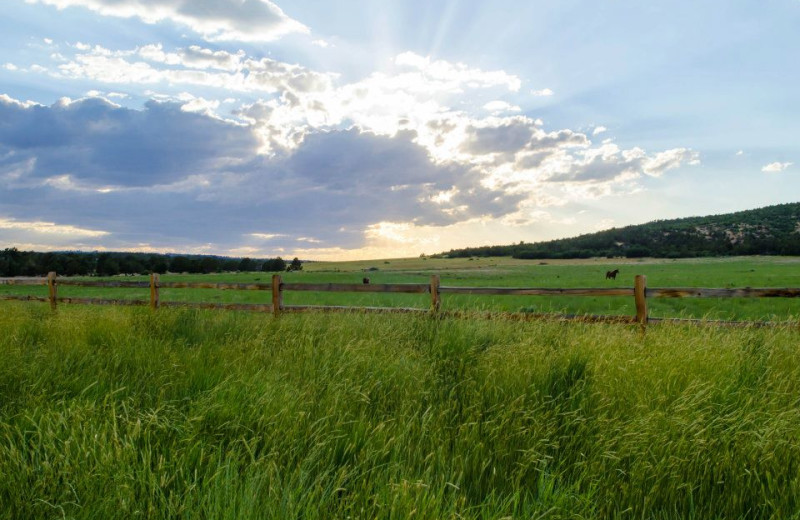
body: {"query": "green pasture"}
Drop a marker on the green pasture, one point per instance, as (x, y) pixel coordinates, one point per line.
(507, 272)
(120, 413)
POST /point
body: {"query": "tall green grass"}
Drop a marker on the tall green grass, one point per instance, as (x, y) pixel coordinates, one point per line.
(124, 413)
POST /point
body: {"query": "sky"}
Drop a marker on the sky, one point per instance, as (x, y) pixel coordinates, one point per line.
(355, 129)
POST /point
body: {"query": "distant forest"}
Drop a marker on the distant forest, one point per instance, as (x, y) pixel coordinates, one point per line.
(30, 263)
(772, 230)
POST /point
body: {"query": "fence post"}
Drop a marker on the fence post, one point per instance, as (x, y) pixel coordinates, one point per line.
(640, 296)
(436, 299)
(154, 297)
(52, 287)
(277, 295)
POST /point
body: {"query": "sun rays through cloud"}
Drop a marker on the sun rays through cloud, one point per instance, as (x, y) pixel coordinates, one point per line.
(258, 126)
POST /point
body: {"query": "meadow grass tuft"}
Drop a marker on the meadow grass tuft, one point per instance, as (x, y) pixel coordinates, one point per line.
(125, 413)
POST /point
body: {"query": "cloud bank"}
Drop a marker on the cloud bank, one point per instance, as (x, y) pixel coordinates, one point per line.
(164, 178)
(239, 153)
(240, 20)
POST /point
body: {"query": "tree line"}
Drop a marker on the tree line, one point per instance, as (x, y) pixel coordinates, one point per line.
(31, 263)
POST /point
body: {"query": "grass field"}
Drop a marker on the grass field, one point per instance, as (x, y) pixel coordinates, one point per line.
(110, 412)
(508, 272)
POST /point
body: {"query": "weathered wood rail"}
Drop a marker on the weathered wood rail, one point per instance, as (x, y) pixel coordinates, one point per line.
(278, 287)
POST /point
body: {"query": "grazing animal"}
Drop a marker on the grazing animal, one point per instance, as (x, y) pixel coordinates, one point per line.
(612, 274)
(365, 281)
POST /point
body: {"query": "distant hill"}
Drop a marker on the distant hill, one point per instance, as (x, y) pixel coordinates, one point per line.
(773, 230)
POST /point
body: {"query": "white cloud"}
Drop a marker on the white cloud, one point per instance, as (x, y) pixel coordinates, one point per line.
(501, 106)
(320, 43)
(599, 130)
(662, 161)
(243, 20)
(195, 66)
(447, 76)
(8, 100)
(740, 153)
(776, 167)
(48, 228)
(444, 197)
(201, 105)
(411, 96)
(266, 236)
(67, 183)
(570, 169)
(10, 66)
(194, 57)
(408, 97)
(542, 92)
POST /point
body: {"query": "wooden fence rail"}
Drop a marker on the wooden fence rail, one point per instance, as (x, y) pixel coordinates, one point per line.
(278, 287)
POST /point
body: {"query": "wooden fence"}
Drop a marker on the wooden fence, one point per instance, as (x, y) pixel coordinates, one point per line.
(640, 293)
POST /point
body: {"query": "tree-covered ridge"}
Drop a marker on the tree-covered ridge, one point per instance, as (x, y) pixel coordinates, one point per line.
(30, 263)
(772, 230)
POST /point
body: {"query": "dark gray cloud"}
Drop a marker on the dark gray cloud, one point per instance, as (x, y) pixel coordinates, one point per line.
(613, 164)
(508, 137)
(97, 142)
(559, 139)
(373, 178)
(515, 134)
(168, 178)
(598, 169)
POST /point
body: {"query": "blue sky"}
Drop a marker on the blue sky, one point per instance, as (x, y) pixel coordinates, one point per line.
(370, 129)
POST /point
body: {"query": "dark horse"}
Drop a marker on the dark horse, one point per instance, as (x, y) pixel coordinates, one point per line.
(612, 274)
(365, 281)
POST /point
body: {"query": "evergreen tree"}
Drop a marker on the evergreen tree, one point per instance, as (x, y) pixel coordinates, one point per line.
(296, 265)
(274, 265)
